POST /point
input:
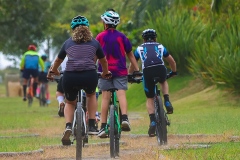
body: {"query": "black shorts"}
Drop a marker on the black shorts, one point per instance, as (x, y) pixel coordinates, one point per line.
(59, 85)
(42, 77)
(72, 81)
(30, 72)
(148, 75)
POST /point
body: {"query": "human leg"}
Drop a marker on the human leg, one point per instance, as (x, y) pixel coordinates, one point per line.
(91, 103)
(167, 102)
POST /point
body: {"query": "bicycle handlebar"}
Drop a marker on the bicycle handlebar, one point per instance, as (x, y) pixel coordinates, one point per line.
(135, 77)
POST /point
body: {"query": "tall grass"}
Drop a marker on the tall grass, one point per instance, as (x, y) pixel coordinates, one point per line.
(216, 57)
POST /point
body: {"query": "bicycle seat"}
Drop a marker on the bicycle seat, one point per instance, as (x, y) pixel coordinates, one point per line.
(112, 89)
(156, 79)
(79, 87)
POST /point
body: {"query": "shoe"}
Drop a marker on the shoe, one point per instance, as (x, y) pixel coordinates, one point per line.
(125, 126)
(92, 131)
(169, 107)
(24, 98)
(61, 109)
(48, 101)
(66, 136)
(152, 129)
(102, 133)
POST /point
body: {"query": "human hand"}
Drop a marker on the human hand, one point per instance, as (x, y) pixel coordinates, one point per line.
(107, 75)
(171, 74)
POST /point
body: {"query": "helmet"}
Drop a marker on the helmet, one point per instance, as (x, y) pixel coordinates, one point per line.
(111, 17)
(149, 34)
(32, 47)
(44, 57)
(79, 20)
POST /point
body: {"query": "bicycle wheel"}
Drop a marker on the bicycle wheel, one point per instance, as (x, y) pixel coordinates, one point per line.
(79, 127)
(42, 99)
(30, 100)
(117, 131)
(161, 128)
(112, 130)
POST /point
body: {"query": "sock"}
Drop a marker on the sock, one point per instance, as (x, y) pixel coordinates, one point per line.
(38, 91)
(166, 97)
(60, 99)
(34, 88)
(124, 117)
(69, 125)
(152, 117)
(24, 90)
(91, 122)
(103, 125)
(47, 95)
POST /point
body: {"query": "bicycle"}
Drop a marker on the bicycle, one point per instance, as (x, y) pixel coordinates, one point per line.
(161, 117)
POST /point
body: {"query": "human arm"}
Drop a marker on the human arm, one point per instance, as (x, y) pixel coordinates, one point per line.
(22, 63)
(41, 63)
(104, 65)
(133, 63)
(172, 64)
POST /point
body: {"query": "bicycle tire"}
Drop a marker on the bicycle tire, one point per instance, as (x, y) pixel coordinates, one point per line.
(112, 130)
(30, 100)
(118, 132)
(161, 128)
(42, 99)
(79, 127)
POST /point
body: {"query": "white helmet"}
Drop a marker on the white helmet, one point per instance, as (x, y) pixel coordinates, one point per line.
(111, 17)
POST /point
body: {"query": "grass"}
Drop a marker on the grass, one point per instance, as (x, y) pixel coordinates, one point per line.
(198, 110)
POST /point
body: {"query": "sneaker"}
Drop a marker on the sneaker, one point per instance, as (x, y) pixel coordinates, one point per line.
(24, 98)
(48, 101)
(66, 136)
(125, 126)
(169, 107)
(102, 133)
(92, 131)
(152, 129)
(61, 109)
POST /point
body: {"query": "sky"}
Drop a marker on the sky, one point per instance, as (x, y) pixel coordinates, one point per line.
(4, 62)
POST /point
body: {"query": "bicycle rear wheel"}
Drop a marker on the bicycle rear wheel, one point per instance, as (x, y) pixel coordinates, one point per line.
(112, 130)
(79, 127)
(161, 128)
(42, 98)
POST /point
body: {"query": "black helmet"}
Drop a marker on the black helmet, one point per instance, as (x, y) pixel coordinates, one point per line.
(149, 34)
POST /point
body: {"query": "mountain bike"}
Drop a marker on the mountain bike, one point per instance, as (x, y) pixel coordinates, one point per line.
(161, 117)
(42, 95)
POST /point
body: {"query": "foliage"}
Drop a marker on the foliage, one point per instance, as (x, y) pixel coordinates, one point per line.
(25, 22)
(177, 31)
(217, 55)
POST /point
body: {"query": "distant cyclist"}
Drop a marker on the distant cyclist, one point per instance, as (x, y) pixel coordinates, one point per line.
(82, 51)
(43, 78)
(151, 54)
(29, 66)
(116, 46)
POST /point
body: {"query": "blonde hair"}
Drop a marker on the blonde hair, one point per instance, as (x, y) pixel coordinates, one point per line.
(81, 34)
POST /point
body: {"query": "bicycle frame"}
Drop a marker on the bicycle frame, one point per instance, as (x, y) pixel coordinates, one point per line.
(114, 102)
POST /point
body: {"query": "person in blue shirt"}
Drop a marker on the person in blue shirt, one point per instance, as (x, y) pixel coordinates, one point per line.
(29, 67)
(43, 77)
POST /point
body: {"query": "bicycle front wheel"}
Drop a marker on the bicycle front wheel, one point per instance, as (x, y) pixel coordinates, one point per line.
(112, 130)
(79, 127)
(161, 128)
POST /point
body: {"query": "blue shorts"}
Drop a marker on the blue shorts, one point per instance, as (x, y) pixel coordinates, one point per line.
(30, 72)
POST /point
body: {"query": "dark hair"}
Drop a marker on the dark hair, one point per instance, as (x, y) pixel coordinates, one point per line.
(110, 9)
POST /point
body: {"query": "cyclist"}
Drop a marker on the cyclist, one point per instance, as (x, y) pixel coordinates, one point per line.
(82, 51)
(115, 46)
(151, 54)
(43, 77)
(29, 65)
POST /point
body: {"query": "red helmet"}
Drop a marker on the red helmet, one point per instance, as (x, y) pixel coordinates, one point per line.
(32, 47)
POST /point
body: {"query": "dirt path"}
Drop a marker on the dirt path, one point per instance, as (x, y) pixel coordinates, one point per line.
(133, 147)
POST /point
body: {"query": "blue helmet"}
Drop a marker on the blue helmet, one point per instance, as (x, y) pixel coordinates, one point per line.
(79, 20)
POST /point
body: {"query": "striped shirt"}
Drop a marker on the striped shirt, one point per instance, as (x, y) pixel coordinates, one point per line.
(81, 56)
